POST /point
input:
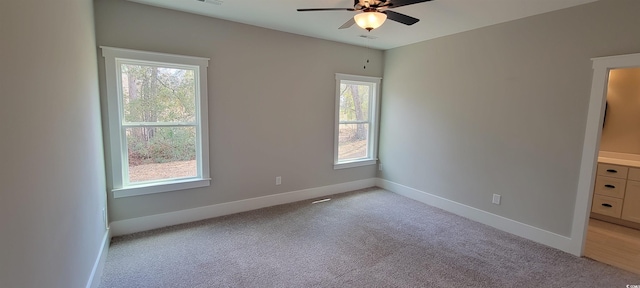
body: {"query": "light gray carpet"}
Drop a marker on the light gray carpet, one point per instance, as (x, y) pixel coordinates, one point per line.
(368, 238)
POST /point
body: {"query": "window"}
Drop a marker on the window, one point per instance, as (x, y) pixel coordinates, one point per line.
(356, 121)
(157, 116)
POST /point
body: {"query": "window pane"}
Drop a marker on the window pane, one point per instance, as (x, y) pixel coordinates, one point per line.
(158, 94)
(354, 102)
(353, 141)
(161, 153)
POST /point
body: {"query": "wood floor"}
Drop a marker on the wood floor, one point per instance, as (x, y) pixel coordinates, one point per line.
(613, 244)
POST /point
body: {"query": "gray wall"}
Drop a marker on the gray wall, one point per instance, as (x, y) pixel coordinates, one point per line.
(271, 102)
(502, 110)
(51, 167)
(621, 132)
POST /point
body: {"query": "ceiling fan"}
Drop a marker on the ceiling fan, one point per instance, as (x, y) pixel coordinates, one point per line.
(374, 13)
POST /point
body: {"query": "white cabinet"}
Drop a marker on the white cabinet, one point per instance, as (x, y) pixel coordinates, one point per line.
(631, 207)
(617, 192)
(611, 170)
(605, 205)
(609, 186)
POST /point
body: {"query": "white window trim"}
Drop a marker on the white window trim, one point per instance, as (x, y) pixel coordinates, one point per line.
(116, 135)
(373, 122)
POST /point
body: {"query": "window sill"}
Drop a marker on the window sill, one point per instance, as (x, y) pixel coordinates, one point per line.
(153, 188)
(356, 163)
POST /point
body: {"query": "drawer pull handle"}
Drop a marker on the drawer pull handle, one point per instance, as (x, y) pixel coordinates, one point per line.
(606, 205)
(612, 170)
(610, 186)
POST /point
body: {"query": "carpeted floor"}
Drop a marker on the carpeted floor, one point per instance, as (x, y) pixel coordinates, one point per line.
(368, 238)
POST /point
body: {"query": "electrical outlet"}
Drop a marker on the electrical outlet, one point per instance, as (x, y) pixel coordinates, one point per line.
(496, 199)
(380, 167)
(278, 180)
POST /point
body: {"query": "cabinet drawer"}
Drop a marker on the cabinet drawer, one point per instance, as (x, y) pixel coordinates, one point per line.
(612, 170)
(631, 206)
(606, 205)
(609, 186)
(634, 174)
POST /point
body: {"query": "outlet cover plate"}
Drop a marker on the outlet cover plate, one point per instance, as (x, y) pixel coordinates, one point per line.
(496, 199)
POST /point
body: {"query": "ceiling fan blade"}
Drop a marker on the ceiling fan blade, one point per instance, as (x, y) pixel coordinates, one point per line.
(348, 23)
(326, 9)
(399, 17)
(399, 3)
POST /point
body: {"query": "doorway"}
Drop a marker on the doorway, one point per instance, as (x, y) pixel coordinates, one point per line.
(593, 238)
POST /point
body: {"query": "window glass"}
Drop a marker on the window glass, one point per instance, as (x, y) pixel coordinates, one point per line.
(158, 94)
(157, 119)
(356, 120)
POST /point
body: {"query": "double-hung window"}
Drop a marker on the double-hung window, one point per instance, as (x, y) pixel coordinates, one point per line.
(157, 118)
(356, 121)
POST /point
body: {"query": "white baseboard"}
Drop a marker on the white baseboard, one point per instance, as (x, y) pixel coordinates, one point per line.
(133, 225)
(505, 224)
(98, 266)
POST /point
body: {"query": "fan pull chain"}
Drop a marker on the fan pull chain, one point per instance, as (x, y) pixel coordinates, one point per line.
(368, 54)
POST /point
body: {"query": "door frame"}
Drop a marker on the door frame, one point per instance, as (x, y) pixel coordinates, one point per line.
(591, 145)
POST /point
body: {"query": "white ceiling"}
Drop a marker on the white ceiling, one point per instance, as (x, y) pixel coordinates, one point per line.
(437, 18)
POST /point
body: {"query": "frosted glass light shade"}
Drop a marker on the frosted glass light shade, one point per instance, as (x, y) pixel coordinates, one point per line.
(370, 20)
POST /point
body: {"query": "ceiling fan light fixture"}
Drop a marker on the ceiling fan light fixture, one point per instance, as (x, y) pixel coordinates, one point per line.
(370, 20)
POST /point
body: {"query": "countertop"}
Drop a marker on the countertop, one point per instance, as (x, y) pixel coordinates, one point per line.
(632, 160)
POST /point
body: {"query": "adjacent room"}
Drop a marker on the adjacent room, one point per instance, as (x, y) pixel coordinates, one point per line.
(237, 143)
